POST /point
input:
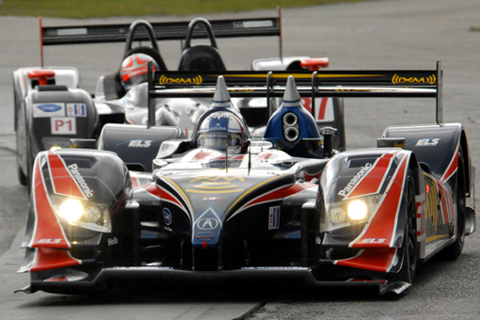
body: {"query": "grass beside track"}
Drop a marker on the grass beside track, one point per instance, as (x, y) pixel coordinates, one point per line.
(84, 9)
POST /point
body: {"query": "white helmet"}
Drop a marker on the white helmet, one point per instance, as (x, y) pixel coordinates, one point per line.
(134, 69)
(220, 130)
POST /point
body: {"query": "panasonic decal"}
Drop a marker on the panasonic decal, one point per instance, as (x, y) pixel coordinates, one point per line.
(355, 180)
(80, 180)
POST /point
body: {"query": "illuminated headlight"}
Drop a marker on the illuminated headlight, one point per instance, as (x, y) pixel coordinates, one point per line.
(357, 210)
(71, 210)
(345, 213)
(55, 143)
(85, 214)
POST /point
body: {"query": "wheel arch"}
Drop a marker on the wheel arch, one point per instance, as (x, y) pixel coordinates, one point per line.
(417, 172)
(467, 165)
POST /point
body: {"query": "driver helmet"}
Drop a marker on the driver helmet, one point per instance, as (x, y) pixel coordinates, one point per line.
(134, 69)
(220, 130)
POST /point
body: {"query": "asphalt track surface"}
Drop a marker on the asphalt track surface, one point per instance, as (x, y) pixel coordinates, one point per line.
(389, 34)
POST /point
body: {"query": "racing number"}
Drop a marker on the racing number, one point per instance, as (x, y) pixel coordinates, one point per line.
(323, 108)
(431, 202)
(64, 125)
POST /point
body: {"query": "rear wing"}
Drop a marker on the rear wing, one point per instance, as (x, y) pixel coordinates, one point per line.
(344, 83)
(104, 33)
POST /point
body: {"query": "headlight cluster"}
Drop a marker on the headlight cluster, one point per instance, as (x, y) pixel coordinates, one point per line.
(55, 143)
(345, 213)
(85, 214)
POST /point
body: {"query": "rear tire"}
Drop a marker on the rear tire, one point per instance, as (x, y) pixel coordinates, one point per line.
(453, 251)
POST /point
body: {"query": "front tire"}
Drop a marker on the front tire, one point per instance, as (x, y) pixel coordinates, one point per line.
(410, 240)
(22, 147)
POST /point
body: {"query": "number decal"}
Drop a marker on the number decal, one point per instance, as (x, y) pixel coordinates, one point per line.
(64, 125)
(323, 108)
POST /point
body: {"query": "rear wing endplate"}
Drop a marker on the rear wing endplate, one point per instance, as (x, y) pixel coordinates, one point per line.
(104, 33)
(344, 83)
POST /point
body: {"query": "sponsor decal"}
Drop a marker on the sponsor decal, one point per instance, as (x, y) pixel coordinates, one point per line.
(207, 224)
(374, 240)
(206, 228)
(212, 199)
(80, 180)
(218, 127)
(46, 110)
(50, 107)
(217, 178)
(216, 184)
(432, 205)
(142, 143)
(50, 241)
(167, 216)
(76, 110)
(166, 80)
(112, 241)
(274, 218)
(355, 180)
(427, 142)
(396, 79)
(253, 24)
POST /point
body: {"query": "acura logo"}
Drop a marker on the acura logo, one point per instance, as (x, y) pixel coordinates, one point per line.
(207, 224)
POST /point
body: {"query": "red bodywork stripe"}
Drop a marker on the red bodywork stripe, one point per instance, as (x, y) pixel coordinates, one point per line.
(375, 260)
(156, 191)
(281, 193)
(382, 225)
(47, 232)
(48, 258)
(62, 180)
(452, 168)
(135, 182)
(373, 180)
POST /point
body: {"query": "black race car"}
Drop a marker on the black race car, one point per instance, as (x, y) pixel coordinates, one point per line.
(224, 204)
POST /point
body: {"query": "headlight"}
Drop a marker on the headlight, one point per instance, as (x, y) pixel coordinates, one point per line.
(55, 143)
(71, 210)
(349, 212)
(338, 215)
(85, 214)
(357, 210)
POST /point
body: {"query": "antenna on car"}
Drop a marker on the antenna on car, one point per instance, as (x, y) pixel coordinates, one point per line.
(226, 157)
(249, 160)
(151, 101)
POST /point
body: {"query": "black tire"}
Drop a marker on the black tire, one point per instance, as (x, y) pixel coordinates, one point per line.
(410, 246)
(30, 161)
(22, 177)
(454, 250)
(20, 135)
